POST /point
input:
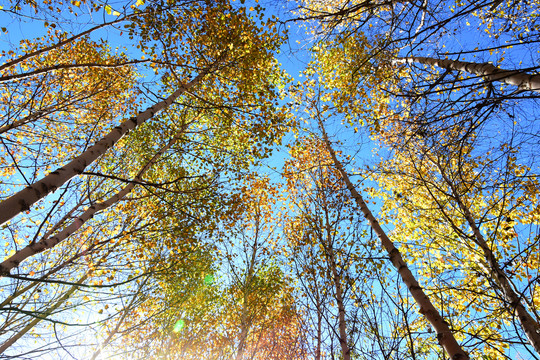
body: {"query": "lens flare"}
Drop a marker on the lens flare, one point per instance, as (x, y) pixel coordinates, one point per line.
(208, 279)
(179, 325)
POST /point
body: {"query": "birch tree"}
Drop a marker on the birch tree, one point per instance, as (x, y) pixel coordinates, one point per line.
(158, 184)
(33, 192)
(445, 335)
(479, 196)
(486, 71)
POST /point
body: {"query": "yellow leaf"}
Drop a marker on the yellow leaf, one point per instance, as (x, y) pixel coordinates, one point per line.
(108, 9)
(116, 13)
(139, 3)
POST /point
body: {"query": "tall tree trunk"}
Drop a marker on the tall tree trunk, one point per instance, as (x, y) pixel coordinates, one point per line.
(343, 338)
(520, 79)
(529, 325)
(242, 343)
(245, 323)
(319, 329)
(25, 198)
(444, 334)
(324, 234)
(49, 242)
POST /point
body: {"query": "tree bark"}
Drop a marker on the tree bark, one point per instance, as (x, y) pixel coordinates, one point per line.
(343, 339)
(529, 325)
(25, 198)
(444, 334)
(49, 242)
(520, 79)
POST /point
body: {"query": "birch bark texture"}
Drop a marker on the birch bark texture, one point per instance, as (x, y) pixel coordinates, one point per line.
(48, 242)
(25, 198)
(444, 334)
(488, 71)
(515, 302)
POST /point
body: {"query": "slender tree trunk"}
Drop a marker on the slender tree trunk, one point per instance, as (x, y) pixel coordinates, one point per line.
(49, 242)
(243, 336)
(343, 339)
(444, 334)
(335, 278)
(25, 198)
(245, 323)
(520, 79)
(319, 330)
(529, 325)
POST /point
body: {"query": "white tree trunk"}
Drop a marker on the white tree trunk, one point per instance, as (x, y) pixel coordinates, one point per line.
(444, 334)
(529, 325)
(343, 338)
(520, 79)
(49, 242)
(25, 198)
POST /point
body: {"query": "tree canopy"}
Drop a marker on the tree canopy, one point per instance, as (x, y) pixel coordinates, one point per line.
(252, 179)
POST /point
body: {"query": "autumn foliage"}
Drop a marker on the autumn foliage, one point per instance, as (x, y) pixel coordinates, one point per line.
(242, 179)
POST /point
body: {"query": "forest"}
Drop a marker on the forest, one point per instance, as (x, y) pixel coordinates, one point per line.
(270, 179)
